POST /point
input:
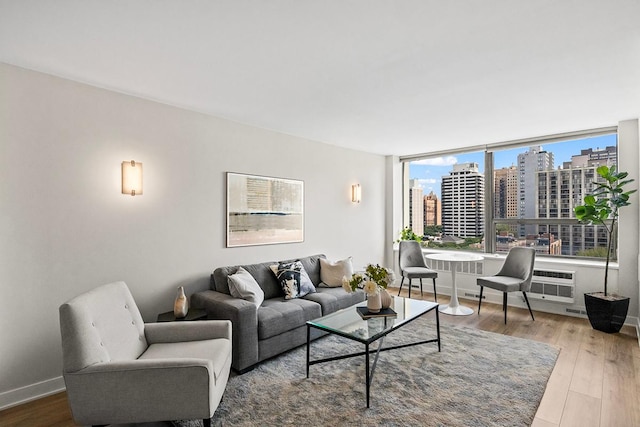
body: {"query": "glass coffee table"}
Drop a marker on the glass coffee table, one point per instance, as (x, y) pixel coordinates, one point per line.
(348, 323)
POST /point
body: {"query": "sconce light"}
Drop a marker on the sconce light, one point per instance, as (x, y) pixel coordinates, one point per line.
(356, 193)
(132, 178)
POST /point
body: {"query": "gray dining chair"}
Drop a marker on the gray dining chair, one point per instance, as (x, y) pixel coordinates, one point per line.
(413, 266)
(515, 275)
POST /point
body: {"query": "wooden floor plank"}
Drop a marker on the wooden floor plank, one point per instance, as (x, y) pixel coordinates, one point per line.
(620, 383)
(568, 337)
(588, 373)
(581, 411)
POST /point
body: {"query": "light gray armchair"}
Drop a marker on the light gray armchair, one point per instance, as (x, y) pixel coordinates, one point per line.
(515, 275)
(118, 369)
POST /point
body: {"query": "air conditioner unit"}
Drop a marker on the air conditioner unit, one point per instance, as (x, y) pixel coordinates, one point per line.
(553, 285)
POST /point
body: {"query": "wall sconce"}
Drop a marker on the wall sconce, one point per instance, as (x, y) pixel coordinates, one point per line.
(132, 178)
(356, 193)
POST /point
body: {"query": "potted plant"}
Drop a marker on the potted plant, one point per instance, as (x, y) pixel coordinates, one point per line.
(606, 311)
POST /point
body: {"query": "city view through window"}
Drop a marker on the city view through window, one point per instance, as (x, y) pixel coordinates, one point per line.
(533, 192)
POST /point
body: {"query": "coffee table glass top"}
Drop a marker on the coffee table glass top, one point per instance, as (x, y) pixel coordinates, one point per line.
(348, 323)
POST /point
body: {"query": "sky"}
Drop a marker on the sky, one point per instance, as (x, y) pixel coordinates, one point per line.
(429, 172)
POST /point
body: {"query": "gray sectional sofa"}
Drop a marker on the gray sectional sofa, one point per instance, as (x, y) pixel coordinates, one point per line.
(277, 325)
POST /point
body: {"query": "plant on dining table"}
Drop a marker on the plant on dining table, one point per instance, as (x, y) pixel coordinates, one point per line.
(374, 278)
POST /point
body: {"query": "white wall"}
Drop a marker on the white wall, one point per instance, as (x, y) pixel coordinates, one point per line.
(65, 228)
(628, 247)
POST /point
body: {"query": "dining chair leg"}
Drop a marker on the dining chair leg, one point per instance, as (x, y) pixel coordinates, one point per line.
(504, 306)
(410, 287)
(480, 300)
(527, 301)
(401, 281)
(435, 295)
(421, 294)
(206, 422)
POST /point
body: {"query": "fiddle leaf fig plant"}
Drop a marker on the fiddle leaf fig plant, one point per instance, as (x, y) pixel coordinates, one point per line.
(602, 205)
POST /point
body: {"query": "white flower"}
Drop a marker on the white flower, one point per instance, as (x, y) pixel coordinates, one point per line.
(346, 285)
(370, 287)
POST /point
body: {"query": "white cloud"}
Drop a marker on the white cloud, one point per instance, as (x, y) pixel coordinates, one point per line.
(426, 183)
(438, 161)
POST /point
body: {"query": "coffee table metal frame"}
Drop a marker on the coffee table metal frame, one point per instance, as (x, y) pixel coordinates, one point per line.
(345, 320)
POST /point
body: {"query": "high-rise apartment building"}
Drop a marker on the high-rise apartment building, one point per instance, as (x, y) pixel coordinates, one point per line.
(529, 163)
(432, 210)
(558, 191)
(505, 189)
(463, 201)
(590, 157)
(416, 208)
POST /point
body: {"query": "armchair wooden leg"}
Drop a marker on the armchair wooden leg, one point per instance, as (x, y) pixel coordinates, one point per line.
(206, 422)
(480, 300)
(435, 295)
(409, 288)
(421, 294)
(504, 306)
(527, 301)
(401, 281)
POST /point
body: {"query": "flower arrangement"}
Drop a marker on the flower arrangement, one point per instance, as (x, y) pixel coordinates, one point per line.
(374, 278)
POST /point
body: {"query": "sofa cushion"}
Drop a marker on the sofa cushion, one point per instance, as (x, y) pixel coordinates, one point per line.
(333, 299)
(293, 279)
(243, 285)
(217, 350)
(276, 316)
(332, 272)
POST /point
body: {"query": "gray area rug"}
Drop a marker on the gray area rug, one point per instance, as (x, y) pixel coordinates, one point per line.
(479, 379)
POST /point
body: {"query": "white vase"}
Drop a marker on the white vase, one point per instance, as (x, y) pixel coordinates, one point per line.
(385, 299)
(373, 303)
(181, 306)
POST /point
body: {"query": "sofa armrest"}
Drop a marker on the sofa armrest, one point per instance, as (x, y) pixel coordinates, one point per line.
(154, 389)
(165, 332)
(244, 320)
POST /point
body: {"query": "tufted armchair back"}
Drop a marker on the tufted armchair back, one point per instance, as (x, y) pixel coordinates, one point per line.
(102, 325)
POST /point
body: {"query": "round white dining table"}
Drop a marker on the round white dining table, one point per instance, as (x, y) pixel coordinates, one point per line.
(455, 258)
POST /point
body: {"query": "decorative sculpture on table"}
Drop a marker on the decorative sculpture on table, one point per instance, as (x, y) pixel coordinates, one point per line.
(181, 305)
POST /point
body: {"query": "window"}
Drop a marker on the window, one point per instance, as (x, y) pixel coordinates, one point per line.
(528, 201)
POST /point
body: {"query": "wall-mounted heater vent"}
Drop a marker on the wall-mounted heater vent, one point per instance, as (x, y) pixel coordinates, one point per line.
(470, 267)
(553, 285)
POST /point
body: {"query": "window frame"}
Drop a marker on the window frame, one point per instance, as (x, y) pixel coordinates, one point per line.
(490, 222)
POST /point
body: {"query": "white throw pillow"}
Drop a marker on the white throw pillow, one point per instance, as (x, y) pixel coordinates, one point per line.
(331, 273)
(243, 285)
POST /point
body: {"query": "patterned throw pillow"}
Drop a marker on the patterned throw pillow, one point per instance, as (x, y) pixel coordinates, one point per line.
(293, 279)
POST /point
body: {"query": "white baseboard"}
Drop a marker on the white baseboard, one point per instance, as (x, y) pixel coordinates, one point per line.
(31, 392)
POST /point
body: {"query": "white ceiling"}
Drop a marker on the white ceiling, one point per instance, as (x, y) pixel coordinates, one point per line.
(390, 77)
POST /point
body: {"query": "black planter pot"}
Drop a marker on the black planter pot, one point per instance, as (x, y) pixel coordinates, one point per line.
(606, 315)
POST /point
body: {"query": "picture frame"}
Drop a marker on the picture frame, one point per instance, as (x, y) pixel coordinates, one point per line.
(263, 210)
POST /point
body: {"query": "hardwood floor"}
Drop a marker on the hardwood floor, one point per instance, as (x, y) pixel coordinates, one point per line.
(596, 380)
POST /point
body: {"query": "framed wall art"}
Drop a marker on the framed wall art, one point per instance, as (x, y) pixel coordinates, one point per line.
(264, 210)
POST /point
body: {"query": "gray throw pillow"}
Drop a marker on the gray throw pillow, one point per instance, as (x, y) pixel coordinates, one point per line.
(243, 285)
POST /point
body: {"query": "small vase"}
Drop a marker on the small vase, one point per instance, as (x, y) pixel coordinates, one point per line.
(373, 303)
(385, 299)
(181, 306)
